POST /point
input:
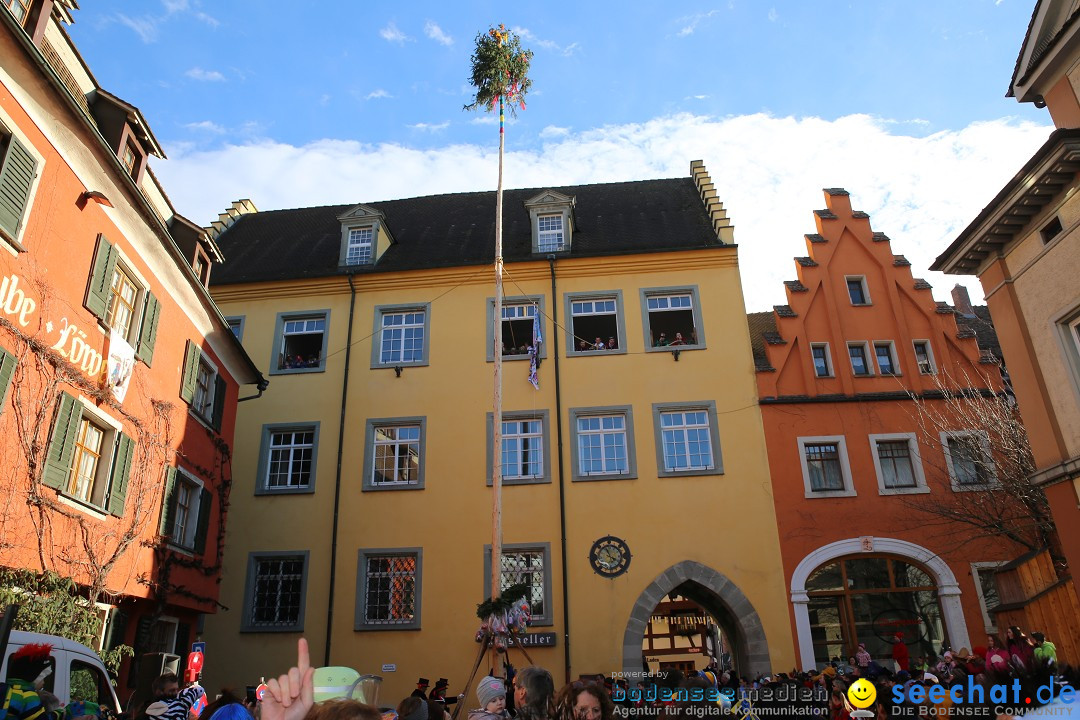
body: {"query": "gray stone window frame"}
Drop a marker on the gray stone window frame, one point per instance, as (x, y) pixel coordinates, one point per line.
(631, 447)
(240, 320)
(376, 338)
(246, 625)
(646, 326)
(369, 452)
(360, 624)
(620, 322)
(279, 340)
(550, 202)
(548, 618)
(845, 466)
(709, 406)
(542, 416)
(914, 456)
(515, 300)
(264, 457)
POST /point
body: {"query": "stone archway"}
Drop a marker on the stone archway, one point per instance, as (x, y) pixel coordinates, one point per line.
(719, 596)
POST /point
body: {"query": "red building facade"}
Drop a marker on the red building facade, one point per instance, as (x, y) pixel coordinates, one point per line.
(868, 458)
(119, 377)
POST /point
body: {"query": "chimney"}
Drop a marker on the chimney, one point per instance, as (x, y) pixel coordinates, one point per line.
(962, 301)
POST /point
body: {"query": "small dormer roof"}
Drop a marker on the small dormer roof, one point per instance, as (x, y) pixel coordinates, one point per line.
(361, 212)
(138, 122)
(550, 197)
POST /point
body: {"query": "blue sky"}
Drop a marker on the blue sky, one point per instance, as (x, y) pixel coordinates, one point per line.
(902, 103)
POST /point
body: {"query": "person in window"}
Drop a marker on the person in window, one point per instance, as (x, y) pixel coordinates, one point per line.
(583, 346)
(678, 340)
(662, 341)
(612, 344)
(598, 344)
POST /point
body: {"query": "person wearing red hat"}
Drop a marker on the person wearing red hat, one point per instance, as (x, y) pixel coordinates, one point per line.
(24, 698)
(900, 652)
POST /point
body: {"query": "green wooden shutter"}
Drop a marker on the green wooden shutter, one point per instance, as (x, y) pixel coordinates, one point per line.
(58, 456)
(205, 501)
(16, 176)
(148, 333)
(101, 275)
(220, 390)
(121, 472)
(168, 506)
(7, 371)
(191, 372)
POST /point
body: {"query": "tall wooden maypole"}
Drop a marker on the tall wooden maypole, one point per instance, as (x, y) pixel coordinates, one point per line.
(499, 73)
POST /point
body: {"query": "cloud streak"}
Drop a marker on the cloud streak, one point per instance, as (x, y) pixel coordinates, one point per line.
(769, 171)
(436, 33)
(197, 73)
(390, 33)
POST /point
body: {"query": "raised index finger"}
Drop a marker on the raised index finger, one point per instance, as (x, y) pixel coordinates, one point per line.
(303, 657)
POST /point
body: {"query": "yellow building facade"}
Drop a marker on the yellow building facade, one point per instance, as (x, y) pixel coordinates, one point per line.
(361, 507)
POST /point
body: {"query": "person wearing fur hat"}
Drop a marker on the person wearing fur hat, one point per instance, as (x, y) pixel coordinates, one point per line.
(491, 692)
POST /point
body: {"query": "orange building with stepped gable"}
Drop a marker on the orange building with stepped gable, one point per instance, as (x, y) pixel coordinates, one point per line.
(866, 456)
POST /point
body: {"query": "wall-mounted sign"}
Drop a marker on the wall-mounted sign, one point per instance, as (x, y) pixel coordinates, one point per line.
(866, 543)
(537, 639)
(389, 667)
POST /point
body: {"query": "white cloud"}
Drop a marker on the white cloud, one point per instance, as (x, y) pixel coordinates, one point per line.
(698, 97)
(773, 15)
(376, 94)
(174, 6)
(429, 127)
(528, 38)
(390, 33)
(436, 33)
(206, 125)
(145, 27)
(690, 23)
(769, 171)
(197, 73)
(554, 131)
(208, 19)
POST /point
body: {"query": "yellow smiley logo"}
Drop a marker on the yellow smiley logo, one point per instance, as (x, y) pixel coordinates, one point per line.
(862, 693)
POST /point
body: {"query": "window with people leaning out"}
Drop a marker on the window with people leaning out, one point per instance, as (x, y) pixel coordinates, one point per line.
(594, 323)
(301, 343)
(517, 329)
(671, 319)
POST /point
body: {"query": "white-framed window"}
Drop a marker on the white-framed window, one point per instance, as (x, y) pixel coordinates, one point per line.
(388, 592)
(525, 564)
(236, 325)
(124, 295)
(184, 511)
(359, 246)
(86, 464)
(19, 8)
(396, 460)
(162, 635)
(287, 458)
(671, 318)
(302, 343)
(822, 360)
(603, 443)
(119, 296)
(860, 360)
(983, 575)
(687, 439)
(275, 592)
(898, 464)
(924, 357)
(857, 290)
(968, 459)
(523, 449)
(825, 467)
(402, 336)
(549, 233)
(596, 324)
(886, 358)
(517, 328)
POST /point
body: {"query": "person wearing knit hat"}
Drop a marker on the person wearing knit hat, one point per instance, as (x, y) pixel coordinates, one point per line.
(491, 692)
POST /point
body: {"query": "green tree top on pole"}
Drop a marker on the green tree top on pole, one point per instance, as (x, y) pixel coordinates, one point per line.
(500, 69)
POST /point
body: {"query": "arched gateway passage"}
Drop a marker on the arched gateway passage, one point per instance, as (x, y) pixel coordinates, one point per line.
(720, 597)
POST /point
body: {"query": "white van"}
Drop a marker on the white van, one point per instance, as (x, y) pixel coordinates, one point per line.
(77, 670)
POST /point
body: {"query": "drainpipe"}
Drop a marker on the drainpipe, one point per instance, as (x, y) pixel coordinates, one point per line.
(337, 476)
(562, 486)
(261, 387)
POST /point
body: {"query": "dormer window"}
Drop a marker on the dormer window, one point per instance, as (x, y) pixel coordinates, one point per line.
(550, 236)
(18, 8)
(130, 159)
(551, 215)
(364, 236)
(359, 247)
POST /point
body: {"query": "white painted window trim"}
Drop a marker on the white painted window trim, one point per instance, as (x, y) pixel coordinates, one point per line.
(829, 367)
(929, 356)
(984, 442)
(916, 464)
(349, 244)
(868, 355)
(187, 543)
(865, 290)
(205, 417)
(976, 568)
(896, 372)
(143, 287)
(845, 466)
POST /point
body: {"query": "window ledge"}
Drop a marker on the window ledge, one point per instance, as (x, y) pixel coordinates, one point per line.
(391, 366)
(601, 477)
(523, 481)
(11, 244)
(180, 549)
(812, 494)
(386, 628)
(919, 490)
(690, 472)
(369, 487)
(263, 492)
(202, 421)
(92, 510)
(594, 353)
(671, 348)
(298, 371)
(259, 629)
(956, 487)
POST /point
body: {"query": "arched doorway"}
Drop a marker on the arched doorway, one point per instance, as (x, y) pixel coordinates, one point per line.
(867, 589)
(720, 598)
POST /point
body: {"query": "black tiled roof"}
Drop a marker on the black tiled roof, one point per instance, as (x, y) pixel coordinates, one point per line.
(459, 230)
(921, 284)
(900, 261)
(982, 325)
(806, 261)
(761, 324)
(815, 238)
(795, 286)
(825, 214)
(880, 237)
(784, 311)
(860, 214)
